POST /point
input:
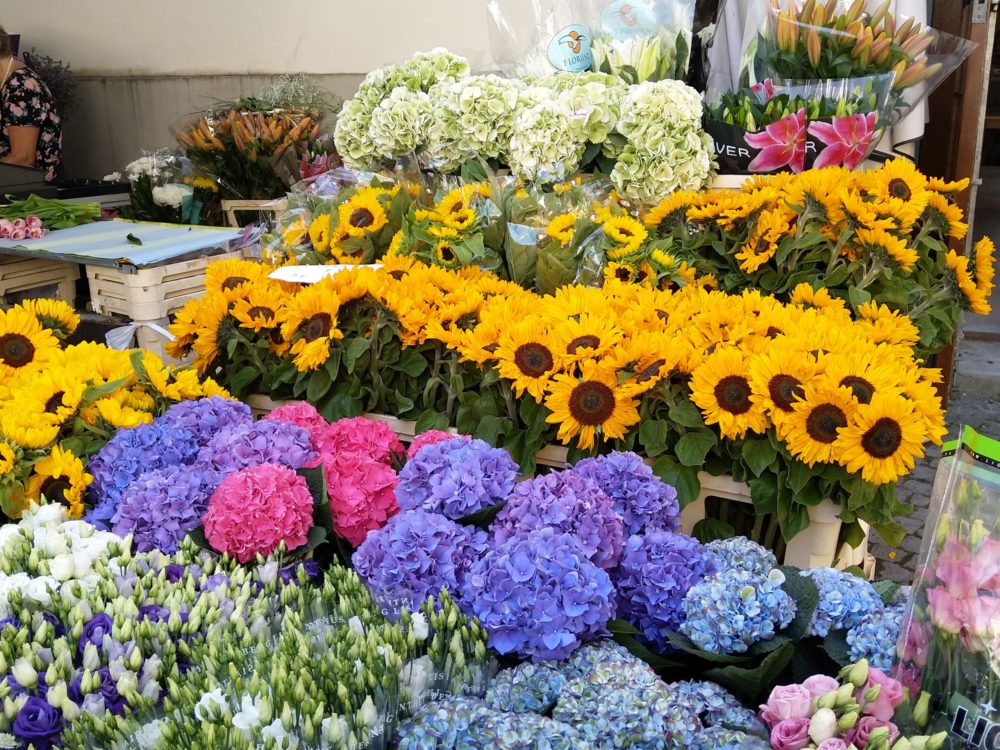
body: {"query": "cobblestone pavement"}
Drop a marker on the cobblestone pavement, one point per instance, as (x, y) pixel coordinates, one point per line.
(899, 563)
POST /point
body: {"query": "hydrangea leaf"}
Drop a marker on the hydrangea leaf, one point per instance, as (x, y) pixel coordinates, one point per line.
(803, 590)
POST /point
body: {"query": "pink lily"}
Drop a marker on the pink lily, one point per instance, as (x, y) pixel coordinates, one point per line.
(847, 140)
(764, 91)
(782, 143)
(320, 165)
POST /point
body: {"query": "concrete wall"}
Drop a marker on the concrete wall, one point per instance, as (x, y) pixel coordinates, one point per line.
(144, 65)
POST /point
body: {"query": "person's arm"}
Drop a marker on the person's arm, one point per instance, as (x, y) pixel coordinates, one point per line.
(23, 145)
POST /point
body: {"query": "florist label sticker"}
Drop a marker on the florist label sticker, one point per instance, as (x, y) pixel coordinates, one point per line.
(975, 726)
(624, 19)
(569, 49)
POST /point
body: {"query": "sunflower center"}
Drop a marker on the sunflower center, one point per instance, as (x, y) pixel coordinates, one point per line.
(762, 245)
(456, 208)
(641, 275)
(260, 312)
(883, 438)
(447, 254)
(318, 326)
(862, 389)
(468, 321)
(491, 348)
(622, 274)
(54, 489)
(54, 402)
(663, 315)
(592, 403)
(588, 341)
(16, 350)
(773, 332)
(899, 189)
(624, 232)
(783, 390)
(397, 275)
(824, 421)
(234, 281)
(534, 360)
(733, 394)
(361, 218)
(650, 372)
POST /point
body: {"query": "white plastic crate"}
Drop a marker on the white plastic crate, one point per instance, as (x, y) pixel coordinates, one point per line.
(50, 278)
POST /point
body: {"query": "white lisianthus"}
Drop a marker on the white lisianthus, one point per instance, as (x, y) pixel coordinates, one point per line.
(113, 177)
(24, 673)
(149, 735)
(369, 713)
(822, 725)
(62, 567)
(210, 705)
(416, 676)
(43, 516)
(419, 627)
(172, 194)
(276, 730)
(399, 123)
(356, 625)
(248, 717)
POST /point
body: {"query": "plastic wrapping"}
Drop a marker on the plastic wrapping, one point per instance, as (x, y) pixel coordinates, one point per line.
(539, 37)
(949, 643)
(641, 40)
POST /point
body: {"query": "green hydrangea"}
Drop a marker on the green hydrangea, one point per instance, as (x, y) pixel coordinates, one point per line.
(593, 109)
(399, 123)
(351, 135)
(545, 146)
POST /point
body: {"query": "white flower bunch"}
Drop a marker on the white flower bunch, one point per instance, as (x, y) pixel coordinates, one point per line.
(545, 146)
(151, 166)
(636, 58)
(399, 123)
(593, 109)
(172, 194)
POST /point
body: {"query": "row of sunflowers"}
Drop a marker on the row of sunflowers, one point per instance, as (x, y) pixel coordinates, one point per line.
(880, 236)
(797, 398)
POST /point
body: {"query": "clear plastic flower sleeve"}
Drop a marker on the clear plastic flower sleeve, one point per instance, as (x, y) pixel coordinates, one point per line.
(540, 37)
(949, 643)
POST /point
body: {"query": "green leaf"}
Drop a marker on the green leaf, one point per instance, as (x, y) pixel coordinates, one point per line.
(806, 597)
(764, 494)
(316, 536)
(482, 518)
(355, 348)
(692, 448)
(710, 529)
(685, 644)
(653, 436)
(750, 683)
(759, 455)
(684, 479)
(316, 481)
(892, 532)
(686, 414)
(792, 518)
(491, 428)
(887, 590)
(765, 647)
(132, 239)
(858, 297)
(198, 537)
(626, 635)
(319, 384)
(411, 362)
(835, 645)
(94, 392)
(244, 377)
(430, 420)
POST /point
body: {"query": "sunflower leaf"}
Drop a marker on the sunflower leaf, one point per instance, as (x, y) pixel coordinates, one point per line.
(684, 479)
(686, 414)
(759, 455)
(892, 533)
(692, 448)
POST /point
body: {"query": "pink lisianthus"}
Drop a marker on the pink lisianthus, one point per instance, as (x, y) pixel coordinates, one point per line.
(371, 438)
(790, 734)
(890, 695)
(959, 570)
(253, 510)
(304, 415)
(834, 743)
(847, 140)
(787, 702)
(428, 438)
(362, 494)
(782, 144)
(916, 642)
(820, 684)
(858, 736)
(983, 623)
(910, 677)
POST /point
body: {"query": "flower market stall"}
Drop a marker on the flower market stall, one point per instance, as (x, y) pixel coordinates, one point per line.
(520, 434)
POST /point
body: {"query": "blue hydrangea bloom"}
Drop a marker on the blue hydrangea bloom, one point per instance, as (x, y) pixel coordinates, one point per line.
(745, 554)
(655, 572)
(538, 596)
(527, 688)
(248, 445)
(456, 477)
(643, 499)
(874, 637)
(587, 658)
(715, 705)
(569, 503)
(728, 612)
(417, 554)
(206, 417)
(843, 600)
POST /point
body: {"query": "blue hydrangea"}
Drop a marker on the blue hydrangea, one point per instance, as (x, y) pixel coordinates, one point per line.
(569, 503)
(587, 658)
(456, 477)
(655, 572)
(527, 688)
(538, 596)
(745, 554)
(843, 600)
(874, 637)
(732, 610)
(206, 417)
(417, 554)
(722, 738)
(715, 705)
(643, 500)
(248, 445)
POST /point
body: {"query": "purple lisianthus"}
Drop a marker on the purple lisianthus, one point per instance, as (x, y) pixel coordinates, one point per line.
(214, 581)
(539, 596)
(417, 554)
(207, 417)
(568, 503)
(12, 622)
(290, 573)
(163, 505)
(52, 620)
(13, 685)
(113, 701)
(656, 570)
(38, 724)
(246, 446)
(153, 613)
(456, 477)
(643, 499)
(94, 631)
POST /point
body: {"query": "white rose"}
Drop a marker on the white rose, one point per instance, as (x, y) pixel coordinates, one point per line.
(62, 567)
(822, 725)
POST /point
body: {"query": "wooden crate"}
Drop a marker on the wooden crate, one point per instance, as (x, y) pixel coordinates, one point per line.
(230, 208)
(29, 274)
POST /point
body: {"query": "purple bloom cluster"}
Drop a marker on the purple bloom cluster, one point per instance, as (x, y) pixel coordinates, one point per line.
(539, 596)
(642, 498)
(248, 445)
(655, 572)
(207, 417)
(568, 503)
(456, 477)
(417, 554)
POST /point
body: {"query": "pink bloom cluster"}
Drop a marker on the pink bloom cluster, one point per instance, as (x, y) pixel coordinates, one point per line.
(368, 437)
(965, 601)
(253, 510)
(22, 229)
(430, 437)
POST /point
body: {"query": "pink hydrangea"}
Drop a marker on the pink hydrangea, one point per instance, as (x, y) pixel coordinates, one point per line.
(371, 438)
(427, 438)
(253, 510)
(304, 415)
(362, 494)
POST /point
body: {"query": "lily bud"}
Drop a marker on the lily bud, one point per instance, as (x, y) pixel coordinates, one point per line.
(813, 47)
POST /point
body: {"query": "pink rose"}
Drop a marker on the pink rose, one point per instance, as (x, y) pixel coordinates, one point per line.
(35, 233)
(819, 685)
(431, 437)
(890, 695)
(5, 228)
(33, 222)
(790, 734)
(834, 743)
(18, 234)
(865, 726)
(916, 642)
(787, 702)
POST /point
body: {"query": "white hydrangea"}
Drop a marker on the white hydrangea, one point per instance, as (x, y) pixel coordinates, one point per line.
(594, 109)
(172, 194)
(425, 69)
(351, 135)
(399, 123)
(648, 105)
(681, 159)
(545, 146)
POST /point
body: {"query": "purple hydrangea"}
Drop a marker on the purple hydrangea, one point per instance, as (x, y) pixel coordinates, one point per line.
(128, 455)
(539, 596)
(162, 506)
(245, 446)
(643, 499)
(207, 417)
(417, 554)
(456, 477)
(655, 572)
(567, 503)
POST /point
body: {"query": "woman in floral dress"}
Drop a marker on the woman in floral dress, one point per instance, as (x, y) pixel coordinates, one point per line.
(30, 128)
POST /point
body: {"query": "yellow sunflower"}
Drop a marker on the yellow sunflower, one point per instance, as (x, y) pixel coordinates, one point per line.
(462, 198)
(805, 296)
(561, 229)
(971, 295)
(897, 178)
(588, 336)
(762, 245)
(229, 275)
(860, 369)
(56, 392)
(362, 214)
(319, 233)
(747, 205)
(445, 255)
(112, 409)
(720, 387)
(885, 326)
(858, 213)
(984, 261)
(595, 402)
(528, 357)
(625, 232)
(668, 212)
(888, 247)
(60, 477)
(209, 313)
(460, 220)
(395, 245)
(296, 232)
(883, 440)
(810, 432)
(24, 343)
(921, 389)
(778, 377)
(816, 190)
(648, 359)
(29, 430)
(260, 309)
(53, 314)
(8, 457)
(947, 188)
(946, 216)
(311, 324)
